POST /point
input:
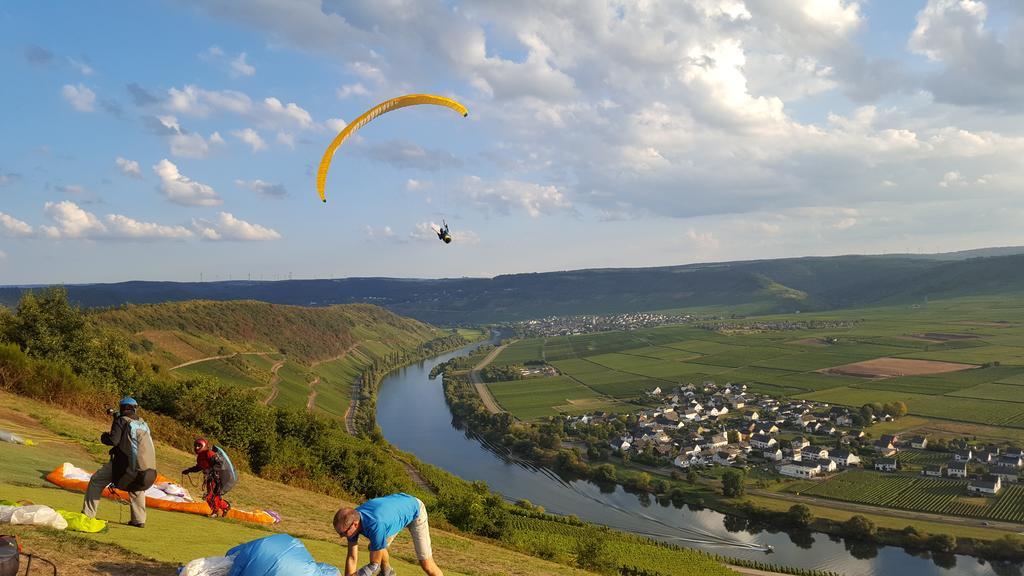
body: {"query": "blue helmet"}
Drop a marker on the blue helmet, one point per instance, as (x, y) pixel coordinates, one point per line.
(128, 401)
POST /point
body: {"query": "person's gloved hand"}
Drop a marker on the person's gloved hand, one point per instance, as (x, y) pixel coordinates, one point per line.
(368, 570)
(186, 471)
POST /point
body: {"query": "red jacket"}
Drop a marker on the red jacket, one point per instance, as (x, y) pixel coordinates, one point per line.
(204, 461)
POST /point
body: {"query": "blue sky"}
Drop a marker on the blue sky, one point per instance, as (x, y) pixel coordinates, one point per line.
(167, 139)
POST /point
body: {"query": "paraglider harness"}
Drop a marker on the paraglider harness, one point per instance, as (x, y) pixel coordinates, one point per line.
(10, 557)
(443, 234)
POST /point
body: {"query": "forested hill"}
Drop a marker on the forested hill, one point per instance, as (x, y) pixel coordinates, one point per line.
(183, 331)
(784, 285)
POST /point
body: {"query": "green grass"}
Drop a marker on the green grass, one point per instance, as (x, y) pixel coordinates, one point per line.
(538, 397)
(293, 388)
(521, 352)
(993, 391)
(222, 370)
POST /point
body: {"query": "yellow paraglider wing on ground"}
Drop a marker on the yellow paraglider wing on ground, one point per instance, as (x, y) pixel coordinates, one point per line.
(368, 116)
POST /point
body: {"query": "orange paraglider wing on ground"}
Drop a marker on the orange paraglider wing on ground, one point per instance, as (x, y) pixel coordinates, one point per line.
(71, 478)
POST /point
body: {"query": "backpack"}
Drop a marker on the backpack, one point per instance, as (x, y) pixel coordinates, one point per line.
(140, 469)
(226, 470)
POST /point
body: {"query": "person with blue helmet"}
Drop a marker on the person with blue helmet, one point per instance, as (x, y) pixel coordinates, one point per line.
(129, 468)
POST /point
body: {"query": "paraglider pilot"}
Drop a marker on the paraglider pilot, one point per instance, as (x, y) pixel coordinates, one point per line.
(208, 462)
(119, 470)
(442, 233)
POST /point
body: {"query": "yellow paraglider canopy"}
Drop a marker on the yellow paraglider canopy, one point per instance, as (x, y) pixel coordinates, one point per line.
(369, 115)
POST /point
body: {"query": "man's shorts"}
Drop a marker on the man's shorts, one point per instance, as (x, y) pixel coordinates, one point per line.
(420, 534)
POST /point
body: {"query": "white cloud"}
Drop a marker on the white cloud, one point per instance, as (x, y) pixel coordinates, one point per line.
(187, 144)
(180, 189)
(251, 138)
(128, 167)
(383, 233)
(128, 228)
(286, 114)
(71, 221)
(286, 139)
(80, 97)
(227, 227)
(413, 185)
(424, 231)
(503, 196)
(264, 189)
(335, 124)
(83, 67)
(702, 240)
(239, 66)
(12, 227)
(349, 90)
(952, 178)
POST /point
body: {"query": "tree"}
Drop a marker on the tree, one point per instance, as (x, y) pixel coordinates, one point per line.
(591, 551)
(732, 483)
(691, 477)
(800, 516)
(859, 527)
(605, 473)
(944, 543)
(733, 436)
(901, 409)
(866, 412)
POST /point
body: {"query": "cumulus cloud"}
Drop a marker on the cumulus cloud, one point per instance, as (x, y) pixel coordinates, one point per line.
(183, 143)
(505, 196)
(228, 227)
(239, 66)
(413, 185)
(702, 240)
(12, 227)
(286, 139)
(271, 112)
(80, 97)
(128, 167)
(251, 138)
(349, 90)
(264, 189)
(82, 66)
(695, 109)
(979, 67)
(73, 222)
(181, 189)
(383, 233)
(335, 124)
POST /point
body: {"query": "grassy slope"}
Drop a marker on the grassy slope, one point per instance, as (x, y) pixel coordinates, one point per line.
(170, 538)
(185, 331)
(333, 343)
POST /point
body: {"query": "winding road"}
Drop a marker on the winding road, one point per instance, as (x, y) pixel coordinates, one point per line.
(485, 394)
(273, 382)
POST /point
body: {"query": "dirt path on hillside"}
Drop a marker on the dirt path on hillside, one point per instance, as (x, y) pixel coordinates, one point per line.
(353, 405)
(209, 358)
(273, 382)
(485, 394)
(311, 400)
(906, 514)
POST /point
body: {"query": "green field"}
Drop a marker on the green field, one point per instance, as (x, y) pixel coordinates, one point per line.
(787, 362)
(924, 494)
(537, 397)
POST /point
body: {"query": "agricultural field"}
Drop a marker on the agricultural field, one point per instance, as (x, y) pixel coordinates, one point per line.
(900, 348)
(521, 352)
(537, 397)
(243, 370)
(923, 494)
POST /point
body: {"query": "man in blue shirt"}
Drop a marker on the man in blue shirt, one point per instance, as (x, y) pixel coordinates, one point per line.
(380, 520)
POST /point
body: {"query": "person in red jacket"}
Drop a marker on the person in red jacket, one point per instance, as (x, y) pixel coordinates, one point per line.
(208, 462)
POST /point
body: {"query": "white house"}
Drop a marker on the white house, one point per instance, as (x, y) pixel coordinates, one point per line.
(801, 470)
(772, 454)
(957, 469)
(763, 442)
(800, 442)
(919, 442)
(844, 458)
(885, 464)
(827, 465)
(963, 455)
(990, 487)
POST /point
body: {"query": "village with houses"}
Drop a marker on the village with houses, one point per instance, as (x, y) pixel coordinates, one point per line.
(707, 425)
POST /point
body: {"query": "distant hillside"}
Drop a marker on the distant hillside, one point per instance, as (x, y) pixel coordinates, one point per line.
(183, 331)
(783, 285)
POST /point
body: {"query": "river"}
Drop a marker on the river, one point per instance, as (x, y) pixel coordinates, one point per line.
(413, 415)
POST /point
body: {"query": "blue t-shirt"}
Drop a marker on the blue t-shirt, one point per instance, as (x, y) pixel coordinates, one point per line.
(382, 518)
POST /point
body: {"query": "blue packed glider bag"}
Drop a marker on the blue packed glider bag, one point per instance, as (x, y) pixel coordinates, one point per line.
(228, 474)
(277, 555)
